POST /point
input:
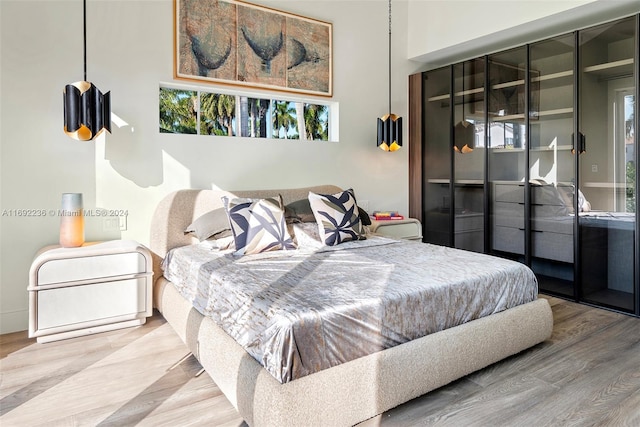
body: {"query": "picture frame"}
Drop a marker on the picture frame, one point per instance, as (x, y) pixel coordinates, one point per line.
(233, 42)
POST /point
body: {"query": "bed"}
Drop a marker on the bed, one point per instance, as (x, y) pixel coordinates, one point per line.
(355, 389)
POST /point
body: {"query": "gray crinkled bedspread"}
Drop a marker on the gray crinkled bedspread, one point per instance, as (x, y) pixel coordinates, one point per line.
(298, 312)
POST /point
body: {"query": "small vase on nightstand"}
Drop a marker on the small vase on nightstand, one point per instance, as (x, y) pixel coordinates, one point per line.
(71, 221)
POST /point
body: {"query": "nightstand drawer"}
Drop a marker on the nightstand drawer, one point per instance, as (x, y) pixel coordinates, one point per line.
(409, 228)
(90, 267)
(72, 305)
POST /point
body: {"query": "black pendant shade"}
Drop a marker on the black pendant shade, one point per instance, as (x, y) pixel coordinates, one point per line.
(87, 112)
(390, 132)
(389, 125)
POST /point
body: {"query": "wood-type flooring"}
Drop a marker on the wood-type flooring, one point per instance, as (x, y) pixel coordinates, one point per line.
(587, 374)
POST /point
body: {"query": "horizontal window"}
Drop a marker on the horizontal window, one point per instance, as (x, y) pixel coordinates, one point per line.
(200, 112)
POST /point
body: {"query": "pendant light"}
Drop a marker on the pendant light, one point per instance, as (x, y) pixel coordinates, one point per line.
(390, 125)
(87, 112)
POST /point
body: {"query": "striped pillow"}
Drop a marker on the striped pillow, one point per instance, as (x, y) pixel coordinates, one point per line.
(337, 217)
(258, 225)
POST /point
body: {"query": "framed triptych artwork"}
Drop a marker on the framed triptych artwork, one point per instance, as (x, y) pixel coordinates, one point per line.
(239, 43)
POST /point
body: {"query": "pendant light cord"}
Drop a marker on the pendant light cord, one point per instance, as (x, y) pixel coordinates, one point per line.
(389, 57)
(84, 36)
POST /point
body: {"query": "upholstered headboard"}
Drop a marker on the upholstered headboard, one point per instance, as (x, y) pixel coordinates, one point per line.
(180, 208)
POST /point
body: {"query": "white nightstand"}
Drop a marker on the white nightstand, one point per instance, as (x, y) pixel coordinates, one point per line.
(93, 288)
(408, 228)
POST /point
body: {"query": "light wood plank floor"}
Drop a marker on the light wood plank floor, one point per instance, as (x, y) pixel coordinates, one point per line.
(587, 374)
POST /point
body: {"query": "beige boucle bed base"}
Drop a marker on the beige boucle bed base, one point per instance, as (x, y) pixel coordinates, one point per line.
(348, 393)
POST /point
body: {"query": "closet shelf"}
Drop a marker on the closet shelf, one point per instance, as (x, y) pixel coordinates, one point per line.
(559, 148)
(557, 113)
(457, 181)
(459, 93)
(611, 69)
(506, 118)
(507, 84)
(553, 76)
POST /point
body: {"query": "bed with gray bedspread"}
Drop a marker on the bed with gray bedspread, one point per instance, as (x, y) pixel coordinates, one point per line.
(352, 391)
(301, 311)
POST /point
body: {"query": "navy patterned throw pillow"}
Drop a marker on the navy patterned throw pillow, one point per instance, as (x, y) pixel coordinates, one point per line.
(337, 216)
(258, 225)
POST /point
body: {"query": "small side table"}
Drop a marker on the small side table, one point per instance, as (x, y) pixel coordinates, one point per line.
(408, 228)
(89, 289)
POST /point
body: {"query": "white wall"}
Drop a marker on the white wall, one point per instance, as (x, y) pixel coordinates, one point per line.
(130, 53)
